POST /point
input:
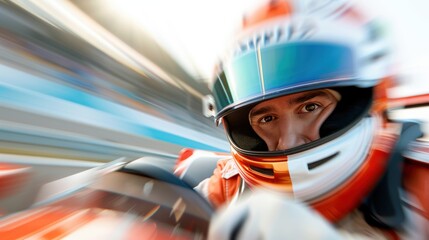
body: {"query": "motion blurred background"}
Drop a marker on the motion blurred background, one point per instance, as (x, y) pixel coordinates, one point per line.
(85, 82)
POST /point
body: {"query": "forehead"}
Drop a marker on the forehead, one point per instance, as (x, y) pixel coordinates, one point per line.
(295, 98)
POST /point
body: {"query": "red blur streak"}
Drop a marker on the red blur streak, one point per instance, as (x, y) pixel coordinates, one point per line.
(185, 154)
(12, 177)
(184, 159)
(416, 181)
(63, 228)
(60, 222)
(182, 163)
(32, 223)
(409, 101)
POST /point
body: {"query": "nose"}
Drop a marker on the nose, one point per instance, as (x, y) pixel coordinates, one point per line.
(289, 141)
(295, 133)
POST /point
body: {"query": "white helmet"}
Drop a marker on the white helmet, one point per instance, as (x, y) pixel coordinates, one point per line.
(287, 47)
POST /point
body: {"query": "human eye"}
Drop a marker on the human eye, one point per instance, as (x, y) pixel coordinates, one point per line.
(266, 119)
(309, 107)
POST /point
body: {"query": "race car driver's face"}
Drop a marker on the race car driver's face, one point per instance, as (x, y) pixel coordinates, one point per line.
(292, 120)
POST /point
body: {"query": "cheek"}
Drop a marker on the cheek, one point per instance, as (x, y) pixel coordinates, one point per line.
(267, 133)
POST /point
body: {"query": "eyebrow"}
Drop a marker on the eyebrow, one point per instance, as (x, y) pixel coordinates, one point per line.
(260, 111)
(307, 96)
(300, 99)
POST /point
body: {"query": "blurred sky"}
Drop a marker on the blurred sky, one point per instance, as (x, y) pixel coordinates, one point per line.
(194, 31)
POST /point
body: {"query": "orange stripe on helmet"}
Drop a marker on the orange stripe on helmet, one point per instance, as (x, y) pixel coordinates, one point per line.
(274, 8)
(272, 173)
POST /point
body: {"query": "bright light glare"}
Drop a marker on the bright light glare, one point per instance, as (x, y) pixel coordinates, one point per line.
(192, 31)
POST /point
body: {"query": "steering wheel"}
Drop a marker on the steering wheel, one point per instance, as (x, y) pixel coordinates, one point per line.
(180, 189)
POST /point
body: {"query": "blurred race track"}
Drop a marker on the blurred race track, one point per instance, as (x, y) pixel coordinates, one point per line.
(75, 94)
(62, 86)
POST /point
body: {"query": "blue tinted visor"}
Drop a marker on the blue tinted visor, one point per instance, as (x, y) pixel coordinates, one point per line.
(282, 69)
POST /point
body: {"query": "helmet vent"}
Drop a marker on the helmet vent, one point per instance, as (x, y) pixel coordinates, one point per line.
(264, 171)
(322, 161)
(375, 57)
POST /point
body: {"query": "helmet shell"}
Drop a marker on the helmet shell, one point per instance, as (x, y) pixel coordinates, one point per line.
(287, 47)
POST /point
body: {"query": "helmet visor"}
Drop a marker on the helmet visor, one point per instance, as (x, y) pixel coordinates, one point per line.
(282, 69)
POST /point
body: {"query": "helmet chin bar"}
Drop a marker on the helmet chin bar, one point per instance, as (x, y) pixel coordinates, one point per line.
(333, 177)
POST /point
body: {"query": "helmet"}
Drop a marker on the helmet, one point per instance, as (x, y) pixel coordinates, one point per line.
(288, 47)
